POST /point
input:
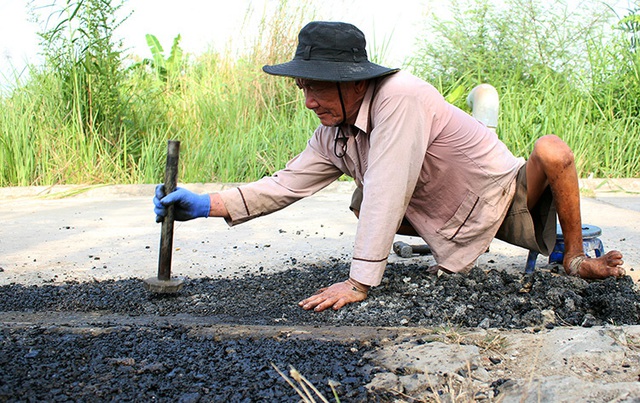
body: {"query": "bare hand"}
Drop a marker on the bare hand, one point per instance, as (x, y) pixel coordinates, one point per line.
(336, 296)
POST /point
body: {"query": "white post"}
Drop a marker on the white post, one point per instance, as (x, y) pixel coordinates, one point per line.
(485, 104)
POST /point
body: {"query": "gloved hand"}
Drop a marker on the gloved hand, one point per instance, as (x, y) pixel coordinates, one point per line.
(186, 205)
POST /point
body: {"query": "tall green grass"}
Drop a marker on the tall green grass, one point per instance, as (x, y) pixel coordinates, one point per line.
(570, 72)
(89, 115)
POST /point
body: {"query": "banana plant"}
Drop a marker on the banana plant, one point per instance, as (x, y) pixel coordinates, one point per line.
(166, 70)
(631, 25)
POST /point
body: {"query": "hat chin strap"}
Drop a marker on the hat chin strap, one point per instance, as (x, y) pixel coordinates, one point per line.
(344, 111)
(339, 134)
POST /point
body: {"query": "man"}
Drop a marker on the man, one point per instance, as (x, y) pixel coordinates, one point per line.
(420, 165)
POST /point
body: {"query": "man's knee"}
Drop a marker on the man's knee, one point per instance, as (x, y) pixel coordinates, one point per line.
(551, 150)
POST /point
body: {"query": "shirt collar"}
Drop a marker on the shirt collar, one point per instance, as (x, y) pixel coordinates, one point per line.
(362, 120)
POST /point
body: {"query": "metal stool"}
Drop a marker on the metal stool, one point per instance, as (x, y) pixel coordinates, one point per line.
(590, 243)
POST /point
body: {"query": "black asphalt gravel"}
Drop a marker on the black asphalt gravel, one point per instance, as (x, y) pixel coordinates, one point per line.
(408, 296)
(169, 364)
(162, 362)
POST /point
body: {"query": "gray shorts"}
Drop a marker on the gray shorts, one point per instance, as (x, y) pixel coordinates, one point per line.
(533, 230)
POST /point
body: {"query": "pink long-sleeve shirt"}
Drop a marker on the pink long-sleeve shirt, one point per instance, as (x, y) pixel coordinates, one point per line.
(415, 156)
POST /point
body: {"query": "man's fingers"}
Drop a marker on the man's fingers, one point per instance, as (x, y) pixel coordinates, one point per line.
(335, 303)
(171, 198)
(305, 303)
(312, 302)
(323, 306)
(159, 209)
(336, 296)
(327, 303)
(318, 302)
(159, 191)
(341, 302)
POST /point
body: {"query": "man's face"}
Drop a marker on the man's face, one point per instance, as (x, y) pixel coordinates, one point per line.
(322, 97)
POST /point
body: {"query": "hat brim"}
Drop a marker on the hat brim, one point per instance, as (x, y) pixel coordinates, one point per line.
(328, 71)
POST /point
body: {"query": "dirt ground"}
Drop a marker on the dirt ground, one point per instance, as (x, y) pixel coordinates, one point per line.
(76, 322)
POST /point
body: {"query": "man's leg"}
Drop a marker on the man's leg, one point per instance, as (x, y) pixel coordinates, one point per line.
(552, 164)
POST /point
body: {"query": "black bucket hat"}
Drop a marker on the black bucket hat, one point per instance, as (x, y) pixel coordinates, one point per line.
(330, 51)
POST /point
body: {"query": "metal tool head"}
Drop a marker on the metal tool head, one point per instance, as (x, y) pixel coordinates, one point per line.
(158, 286)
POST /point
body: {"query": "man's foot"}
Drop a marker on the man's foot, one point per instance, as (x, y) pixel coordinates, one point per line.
(601, 267)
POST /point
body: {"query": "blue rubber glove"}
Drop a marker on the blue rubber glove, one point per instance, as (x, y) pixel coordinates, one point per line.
(186, 205)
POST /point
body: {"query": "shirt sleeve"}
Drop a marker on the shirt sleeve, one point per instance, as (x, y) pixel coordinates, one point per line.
(398, 144)
(306, 174)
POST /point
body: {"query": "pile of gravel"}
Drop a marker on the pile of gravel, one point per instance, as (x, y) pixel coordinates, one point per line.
(408, 296)
(169, 364)
(164, 362)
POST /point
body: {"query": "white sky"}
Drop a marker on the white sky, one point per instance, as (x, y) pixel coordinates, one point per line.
(211, 23)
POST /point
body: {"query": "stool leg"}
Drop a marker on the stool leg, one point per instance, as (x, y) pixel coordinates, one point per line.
(531, 262)
(599, 247)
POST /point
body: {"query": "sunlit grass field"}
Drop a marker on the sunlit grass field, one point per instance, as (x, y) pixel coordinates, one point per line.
(90, 115)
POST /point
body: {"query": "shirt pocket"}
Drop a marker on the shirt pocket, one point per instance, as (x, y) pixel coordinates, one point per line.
(457, 228)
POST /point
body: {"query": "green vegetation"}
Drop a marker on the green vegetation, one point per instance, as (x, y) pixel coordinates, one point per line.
(574, 73)
(88, 115)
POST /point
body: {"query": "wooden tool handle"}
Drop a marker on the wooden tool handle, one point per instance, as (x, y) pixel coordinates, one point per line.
(166, 236)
